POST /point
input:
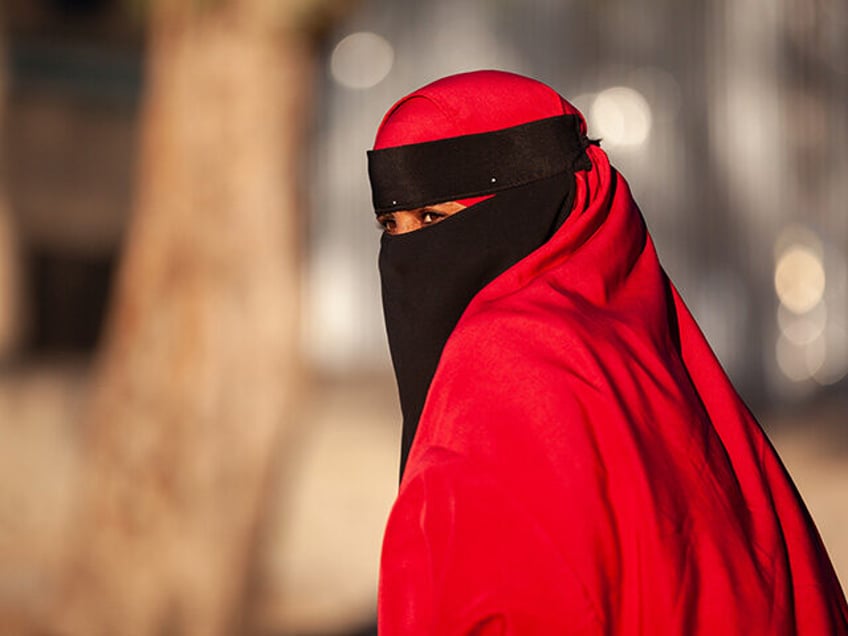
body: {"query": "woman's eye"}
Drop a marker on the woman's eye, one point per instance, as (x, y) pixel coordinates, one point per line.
(429, 216)
(386, 223)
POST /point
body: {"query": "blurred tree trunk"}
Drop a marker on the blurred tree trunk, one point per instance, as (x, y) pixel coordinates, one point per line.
(197, 371)
(9, 254)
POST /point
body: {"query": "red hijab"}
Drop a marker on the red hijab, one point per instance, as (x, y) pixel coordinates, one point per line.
(456, 105)
(582, 463)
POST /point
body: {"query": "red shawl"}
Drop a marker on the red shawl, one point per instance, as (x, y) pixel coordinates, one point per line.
(583, 464)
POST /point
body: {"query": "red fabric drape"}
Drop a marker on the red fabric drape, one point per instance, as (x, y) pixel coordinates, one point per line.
(583, 464)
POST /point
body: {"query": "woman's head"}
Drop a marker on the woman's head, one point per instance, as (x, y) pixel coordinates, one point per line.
(483, 164)
(460, 105)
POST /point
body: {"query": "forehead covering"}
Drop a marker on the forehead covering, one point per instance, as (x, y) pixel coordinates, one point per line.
(469, 103)
(470, 135)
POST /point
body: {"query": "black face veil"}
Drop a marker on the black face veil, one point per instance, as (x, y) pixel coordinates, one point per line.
(430, 275)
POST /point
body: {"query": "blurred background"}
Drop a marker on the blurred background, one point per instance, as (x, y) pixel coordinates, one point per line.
(198, 421)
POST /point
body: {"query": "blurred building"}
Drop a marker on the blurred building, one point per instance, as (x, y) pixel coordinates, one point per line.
(74, 82)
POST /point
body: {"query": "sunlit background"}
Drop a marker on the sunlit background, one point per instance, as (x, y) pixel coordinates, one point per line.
(728, 119)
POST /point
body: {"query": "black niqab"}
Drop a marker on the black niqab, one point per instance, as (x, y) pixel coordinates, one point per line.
(429, 276)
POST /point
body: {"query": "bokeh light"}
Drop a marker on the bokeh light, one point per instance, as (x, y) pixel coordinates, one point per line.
(799, 278)
(361, 60)
(802, 329)
(810, 281)
(799, 362)
(333, 294)
(621, 116)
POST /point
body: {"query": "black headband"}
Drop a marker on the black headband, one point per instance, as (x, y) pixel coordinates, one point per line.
(415, 175)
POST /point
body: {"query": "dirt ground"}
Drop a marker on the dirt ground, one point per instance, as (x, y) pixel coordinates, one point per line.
(319, 560)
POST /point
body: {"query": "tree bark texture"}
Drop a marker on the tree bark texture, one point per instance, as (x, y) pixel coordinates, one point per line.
(198, 365)
(10, 295)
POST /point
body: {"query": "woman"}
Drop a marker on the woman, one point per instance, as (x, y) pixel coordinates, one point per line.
(574, 458)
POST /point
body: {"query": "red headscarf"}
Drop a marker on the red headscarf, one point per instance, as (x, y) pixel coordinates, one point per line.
(582, 464)
(455, 105)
